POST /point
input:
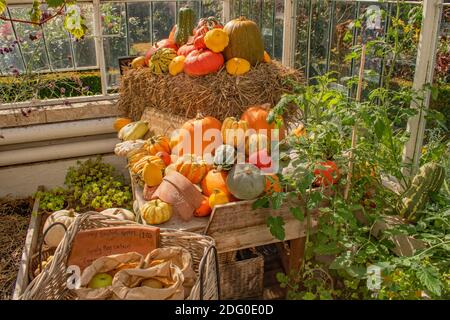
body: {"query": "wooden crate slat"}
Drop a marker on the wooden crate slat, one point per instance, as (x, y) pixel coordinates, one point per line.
(28, 249)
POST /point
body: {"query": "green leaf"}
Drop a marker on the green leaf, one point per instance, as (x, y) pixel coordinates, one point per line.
(54, 3)
(341, 262)
(297, 213)
(379, 127)
(261, 203)
(429, 277)
(309, 296)
(276, 225)
(2, 6)
(277, 199)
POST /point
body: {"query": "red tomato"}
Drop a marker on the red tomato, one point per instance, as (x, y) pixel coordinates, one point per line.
(164, 157)
(327, 176)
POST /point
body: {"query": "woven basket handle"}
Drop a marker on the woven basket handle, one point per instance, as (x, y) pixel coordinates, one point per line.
(202, 270)
(43, 237)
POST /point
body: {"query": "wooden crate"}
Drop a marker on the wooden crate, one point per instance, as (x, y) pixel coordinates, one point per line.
(236, 225)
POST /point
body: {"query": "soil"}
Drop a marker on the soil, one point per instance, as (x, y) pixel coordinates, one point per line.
(14, 220)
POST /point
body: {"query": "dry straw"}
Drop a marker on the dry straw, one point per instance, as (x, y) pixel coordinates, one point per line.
(219, 95)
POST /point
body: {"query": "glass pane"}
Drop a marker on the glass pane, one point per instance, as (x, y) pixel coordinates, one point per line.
(139, 27)
(114, 41)
(212, 8)
(267, 28)
(344, 13)
(58, 44)
(31, 41)
(10, 59)
(163, 19)
(279, 20)
(84, 49)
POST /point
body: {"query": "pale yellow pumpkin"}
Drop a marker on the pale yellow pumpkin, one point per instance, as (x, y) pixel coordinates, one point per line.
(54, 235)
(176, 66)
(122, 214)
(237, 66)
(152, 174)
(216, 40)
(156, 212)
(233, 131)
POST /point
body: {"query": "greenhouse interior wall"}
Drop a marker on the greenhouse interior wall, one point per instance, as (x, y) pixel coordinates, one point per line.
(70, 116)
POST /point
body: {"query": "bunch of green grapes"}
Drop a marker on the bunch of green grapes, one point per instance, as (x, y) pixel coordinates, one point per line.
(94, 184)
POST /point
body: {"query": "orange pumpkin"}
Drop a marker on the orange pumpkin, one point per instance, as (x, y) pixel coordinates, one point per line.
(272, 184)
(204, 209)
(192, 167)
(158, 143)
(120, 123)
(200, 125)
(215, 180)
(256, 117)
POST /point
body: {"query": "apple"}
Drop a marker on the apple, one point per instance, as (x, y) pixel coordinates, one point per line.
(165, 157)
(261, 159)
(152, 283)
(100, 280)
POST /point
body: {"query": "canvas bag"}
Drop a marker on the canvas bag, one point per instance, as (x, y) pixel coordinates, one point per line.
(105, 265)
(172, 266)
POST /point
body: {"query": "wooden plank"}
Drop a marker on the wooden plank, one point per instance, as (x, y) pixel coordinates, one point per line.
(288, 55)
(425, 63)
(259, 235)
(161, 122)
(297, 252)
(29, 248)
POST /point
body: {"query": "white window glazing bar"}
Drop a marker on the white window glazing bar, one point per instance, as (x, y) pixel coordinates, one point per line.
(99, 51)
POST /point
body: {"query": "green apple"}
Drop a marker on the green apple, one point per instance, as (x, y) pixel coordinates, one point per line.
(100, 280)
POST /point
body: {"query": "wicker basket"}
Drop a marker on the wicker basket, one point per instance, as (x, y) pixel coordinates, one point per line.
(51, 283)
(242, 279)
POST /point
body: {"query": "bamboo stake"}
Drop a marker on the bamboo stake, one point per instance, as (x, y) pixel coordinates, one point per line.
(354, 131)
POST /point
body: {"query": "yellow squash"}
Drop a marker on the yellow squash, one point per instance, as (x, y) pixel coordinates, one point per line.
(218, 197)
(152, 174)
(237, 66)
(176, 66)
(156, 212)
(216, 40)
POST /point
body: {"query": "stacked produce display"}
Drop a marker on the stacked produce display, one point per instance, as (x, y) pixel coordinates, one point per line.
(203, 49)
(230, 150)
(216, 174)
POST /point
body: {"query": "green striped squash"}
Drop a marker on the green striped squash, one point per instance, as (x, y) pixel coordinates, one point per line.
(185, 26)
(428, 180)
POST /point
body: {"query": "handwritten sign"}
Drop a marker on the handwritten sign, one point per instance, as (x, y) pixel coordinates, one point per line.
(90, 245)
